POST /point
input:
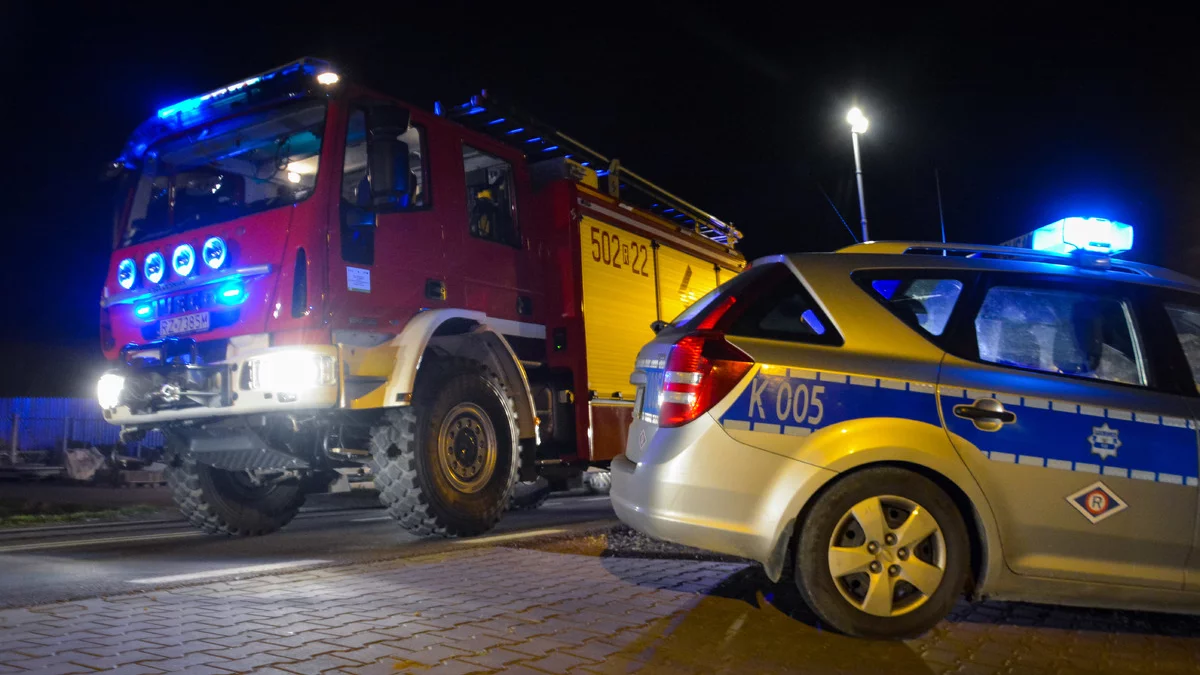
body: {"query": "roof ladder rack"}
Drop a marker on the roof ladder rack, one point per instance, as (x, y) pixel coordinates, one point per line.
(541, 141)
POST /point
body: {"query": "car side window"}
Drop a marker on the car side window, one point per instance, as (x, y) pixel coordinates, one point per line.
(1186, 321)
(924, 303)
(1060, 331)
(491, 208)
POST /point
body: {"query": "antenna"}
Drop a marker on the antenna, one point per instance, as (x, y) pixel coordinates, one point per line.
(941, 216)
(839, 213)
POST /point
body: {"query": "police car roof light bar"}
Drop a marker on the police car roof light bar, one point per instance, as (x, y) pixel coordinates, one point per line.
(1094, 261)
(512, 127)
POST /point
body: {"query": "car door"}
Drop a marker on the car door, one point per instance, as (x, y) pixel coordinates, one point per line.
(1183, 313)
(1074, 427)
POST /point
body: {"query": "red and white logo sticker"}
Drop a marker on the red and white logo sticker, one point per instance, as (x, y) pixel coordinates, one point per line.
(1097, 502)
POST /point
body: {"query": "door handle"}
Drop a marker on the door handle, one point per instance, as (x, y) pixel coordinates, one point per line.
(987, 414)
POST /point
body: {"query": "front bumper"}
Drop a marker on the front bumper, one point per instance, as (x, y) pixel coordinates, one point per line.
(221, 389)
(696, 486)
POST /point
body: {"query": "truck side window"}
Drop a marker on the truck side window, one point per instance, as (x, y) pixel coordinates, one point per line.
(1059, 331)
(1187, 327)
(356, 184)
(491, 209)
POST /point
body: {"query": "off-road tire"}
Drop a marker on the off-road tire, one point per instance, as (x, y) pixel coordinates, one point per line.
(404, 447)
(529, 495)
(598, 482)
(816, 584)
(208, 499)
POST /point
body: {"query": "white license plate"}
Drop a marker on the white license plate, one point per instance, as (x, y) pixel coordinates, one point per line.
(188, 323)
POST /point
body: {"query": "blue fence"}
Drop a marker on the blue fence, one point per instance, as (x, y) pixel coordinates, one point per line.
(51, 424)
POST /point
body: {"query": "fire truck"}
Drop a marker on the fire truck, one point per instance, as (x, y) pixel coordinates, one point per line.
(308, 276)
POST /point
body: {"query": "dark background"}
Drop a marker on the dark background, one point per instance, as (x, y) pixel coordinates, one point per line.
(1029, 115)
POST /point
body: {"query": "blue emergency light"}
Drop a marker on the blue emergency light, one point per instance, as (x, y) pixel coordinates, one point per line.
(1095, 235)
(188, 110)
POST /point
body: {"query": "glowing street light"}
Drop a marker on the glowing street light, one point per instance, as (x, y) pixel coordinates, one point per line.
(858, 125)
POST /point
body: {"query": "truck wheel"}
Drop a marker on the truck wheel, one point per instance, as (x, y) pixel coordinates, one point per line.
(227, 502)
(598, 482)
(529, 495)
(882, 553)
(448, 461)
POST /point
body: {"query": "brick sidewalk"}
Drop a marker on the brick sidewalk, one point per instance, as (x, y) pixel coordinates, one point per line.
(525, 611)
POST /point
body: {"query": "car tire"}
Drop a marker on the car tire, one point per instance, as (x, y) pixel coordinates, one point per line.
(862, 565)
(529, 495)
(430, 477)
(221, 502)
(598, 482)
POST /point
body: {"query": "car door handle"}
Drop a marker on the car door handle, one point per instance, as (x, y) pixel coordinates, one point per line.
(987, 414)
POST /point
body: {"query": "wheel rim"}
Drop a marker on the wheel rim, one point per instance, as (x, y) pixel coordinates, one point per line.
(467, 447)
(887, 555)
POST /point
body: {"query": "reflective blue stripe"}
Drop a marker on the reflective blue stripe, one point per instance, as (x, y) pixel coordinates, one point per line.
(1060, 435)
(809, 400)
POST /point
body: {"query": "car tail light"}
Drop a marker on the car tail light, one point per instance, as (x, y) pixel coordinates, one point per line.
(702, 368)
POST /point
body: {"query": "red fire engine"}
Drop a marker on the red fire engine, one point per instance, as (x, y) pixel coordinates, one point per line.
(309, 276)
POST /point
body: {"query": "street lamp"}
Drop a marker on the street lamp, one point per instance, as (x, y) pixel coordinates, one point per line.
(858, 125)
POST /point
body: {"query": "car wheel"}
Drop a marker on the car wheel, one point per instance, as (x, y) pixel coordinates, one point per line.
(446, 463)
(882, 553)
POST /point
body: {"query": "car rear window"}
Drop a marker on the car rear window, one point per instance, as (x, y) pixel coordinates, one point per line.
(696, 312)
(923, 302)
(767, 302)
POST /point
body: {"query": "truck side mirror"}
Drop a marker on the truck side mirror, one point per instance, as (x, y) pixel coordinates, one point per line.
(387, 155)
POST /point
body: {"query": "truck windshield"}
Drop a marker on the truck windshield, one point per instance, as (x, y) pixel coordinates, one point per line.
(227, 170)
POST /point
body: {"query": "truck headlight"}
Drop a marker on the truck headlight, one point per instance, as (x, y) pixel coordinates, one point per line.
(291, 371)
(108, 390)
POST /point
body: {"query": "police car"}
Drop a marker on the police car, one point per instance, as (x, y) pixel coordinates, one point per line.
(900, 423)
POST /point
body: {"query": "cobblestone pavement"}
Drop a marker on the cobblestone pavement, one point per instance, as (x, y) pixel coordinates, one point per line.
(541, 610)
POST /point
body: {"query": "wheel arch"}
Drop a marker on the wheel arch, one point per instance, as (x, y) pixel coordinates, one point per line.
(465, 334)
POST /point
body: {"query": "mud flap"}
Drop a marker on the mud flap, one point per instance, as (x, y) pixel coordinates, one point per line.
(774, 565)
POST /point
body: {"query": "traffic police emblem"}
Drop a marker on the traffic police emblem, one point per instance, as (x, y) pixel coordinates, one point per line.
(1097, 502)
(1105, 441)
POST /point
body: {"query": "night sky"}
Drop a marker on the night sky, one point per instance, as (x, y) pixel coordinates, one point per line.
(1028, 117)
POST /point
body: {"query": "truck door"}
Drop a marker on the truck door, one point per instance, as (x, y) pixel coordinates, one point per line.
(491, 266)
(1069, 419)
(390, 251)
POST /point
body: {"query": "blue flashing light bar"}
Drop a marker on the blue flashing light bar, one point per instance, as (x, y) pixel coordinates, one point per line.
(550, 149)
(515, 131)
(306, 66)
(535, 139)
(498, 120)
(1095, 235)
(475, 110)
(144, 311)
(195, 102)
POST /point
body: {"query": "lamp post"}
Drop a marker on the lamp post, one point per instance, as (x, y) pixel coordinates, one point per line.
(858, 125)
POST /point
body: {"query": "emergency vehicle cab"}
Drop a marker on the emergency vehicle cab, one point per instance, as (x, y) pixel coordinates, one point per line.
(899, 423)
(309, 276)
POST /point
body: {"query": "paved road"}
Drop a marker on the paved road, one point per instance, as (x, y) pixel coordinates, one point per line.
(60, 563)
(572, 605)
(347, 592)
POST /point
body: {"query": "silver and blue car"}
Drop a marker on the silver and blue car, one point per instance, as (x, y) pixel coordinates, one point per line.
(897, 424)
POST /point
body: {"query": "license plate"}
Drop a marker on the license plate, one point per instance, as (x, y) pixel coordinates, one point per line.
(179, 325)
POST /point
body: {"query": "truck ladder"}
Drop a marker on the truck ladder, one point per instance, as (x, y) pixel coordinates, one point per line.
(483, 113)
